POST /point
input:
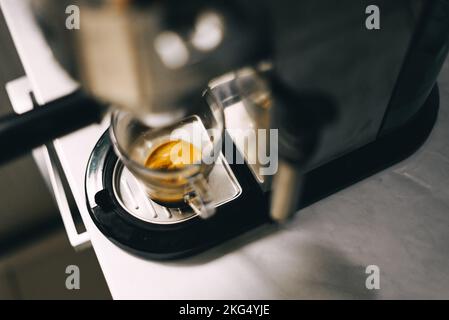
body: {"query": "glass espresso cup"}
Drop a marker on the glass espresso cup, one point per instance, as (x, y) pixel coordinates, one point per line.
(172, 160)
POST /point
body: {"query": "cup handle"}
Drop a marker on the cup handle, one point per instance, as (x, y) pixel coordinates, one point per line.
(199, 197)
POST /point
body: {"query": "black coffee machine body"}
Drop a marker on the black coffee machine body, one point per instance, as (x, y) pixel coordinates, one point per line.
(356, 84)
(347, 99)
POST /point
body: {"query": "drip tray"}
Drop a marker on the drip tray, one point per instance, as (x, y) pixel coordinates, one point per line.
(132, 197)
(121, 210)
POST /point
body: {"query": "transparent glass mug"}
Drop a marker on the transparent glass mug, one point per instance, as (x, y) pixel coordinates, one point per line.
(173, 161)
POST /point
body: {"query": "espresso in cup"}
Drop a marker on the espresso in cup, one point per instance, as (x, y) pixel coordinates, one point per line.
(172, 163)
(174, 154)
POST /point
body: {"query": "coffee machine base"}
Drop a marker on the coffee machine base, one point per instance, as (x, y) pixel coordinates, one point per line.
(247, 210)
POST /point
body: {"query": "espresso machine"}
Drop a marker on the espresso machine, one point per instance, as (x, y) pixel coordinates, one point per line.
(346, 101)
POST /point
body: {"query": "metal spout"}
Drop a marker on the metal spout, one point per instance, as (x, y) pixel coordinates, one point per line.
(286, 192)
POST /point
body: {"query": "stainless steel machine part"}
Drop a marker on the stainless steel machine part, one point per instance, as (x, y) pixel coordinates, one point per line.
(287, 189)
(133, 199)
